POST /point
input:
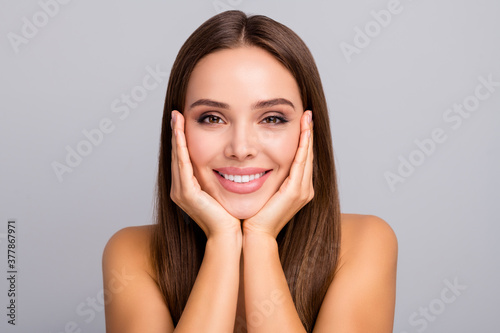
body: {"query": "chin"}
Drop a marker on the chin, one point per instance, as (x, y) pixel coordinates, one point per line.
(242, 214)
(243, 209)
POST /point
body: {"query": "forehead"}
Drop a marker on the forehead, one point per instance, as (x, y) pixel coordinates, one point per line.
(241, 75)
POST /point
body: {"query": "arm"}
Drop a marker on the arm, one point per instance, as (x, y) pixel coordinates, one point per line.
(268, 302)
(211, 306)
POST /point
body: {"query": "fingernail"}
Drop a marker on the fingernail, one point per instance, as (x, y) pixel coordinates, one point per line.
(309, 118)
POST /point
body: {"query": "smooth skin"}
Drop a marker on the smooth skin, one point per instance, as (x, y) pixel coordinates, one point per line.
(241, 270)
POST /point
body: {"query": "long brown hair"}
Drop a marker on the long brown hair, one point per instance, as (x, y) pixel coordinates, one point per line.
(309, 243)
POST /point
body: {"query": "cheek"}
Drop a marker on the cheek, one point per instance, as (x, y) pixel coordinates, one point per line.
(200, 147)
(281, 146)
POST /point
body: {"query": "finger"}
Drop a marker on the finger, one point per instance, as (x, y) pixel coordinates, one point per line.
(174, 165)
(178, 184)
(299, 163)
(310, 154)
(185, 167)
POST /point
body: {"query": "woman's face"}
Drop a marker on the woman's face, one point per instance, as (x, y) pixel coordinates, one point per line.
(242, 125)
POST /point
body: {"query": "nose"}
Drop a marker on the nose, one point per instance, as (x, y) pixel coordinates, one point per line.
(242, 142)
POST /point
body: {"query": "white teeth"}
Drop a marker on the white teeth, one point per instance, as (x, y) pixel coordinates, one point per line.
(242, 178)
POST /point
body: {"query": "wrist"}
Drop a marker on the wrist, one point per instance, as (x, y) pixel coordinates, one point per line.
(258, 234)
(250, 230)
(256, 240)
(228, 238)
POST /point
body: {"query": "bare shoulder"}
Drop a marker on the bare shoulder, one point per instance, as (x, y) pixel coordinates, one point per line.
(361, 297)
(365, 235)
(133, 301)
(130, 246)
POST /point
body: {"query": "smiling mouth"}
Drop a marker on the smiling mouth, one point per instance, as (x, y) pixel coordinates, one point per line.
(242, 178)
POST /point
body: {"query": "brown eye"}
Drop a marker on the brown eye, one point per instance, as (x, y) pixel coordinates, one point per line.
(274, 120)
(213, 119)
(210, 119)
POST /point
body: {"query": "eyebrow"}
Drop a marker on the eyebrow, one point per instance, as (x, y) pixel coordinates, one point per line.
(257, 105)
(209, 102)
(272, 102)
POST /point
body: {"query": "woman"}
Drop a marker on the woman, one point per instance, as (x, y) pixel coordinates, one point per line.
(248, 233)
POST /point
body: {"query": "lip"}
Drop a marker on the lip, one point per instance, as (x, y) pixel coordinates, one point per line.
(242, 188)
(241, 171)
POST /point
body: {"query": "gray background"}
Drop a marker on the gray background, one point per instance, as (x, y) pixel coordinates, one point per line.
(65, 77)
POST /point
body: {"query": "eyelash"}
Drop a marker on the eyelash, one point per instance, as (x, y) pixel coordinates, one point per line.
(202, 119)
(281, 120)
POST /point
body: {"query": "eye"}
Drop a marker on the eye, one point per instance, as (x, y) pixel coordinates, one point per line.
(274, 120)
(210, 119)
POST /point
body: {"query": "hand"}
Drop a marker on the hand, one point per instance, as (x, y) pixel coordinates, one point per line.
(186, 192)
(295, 192)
